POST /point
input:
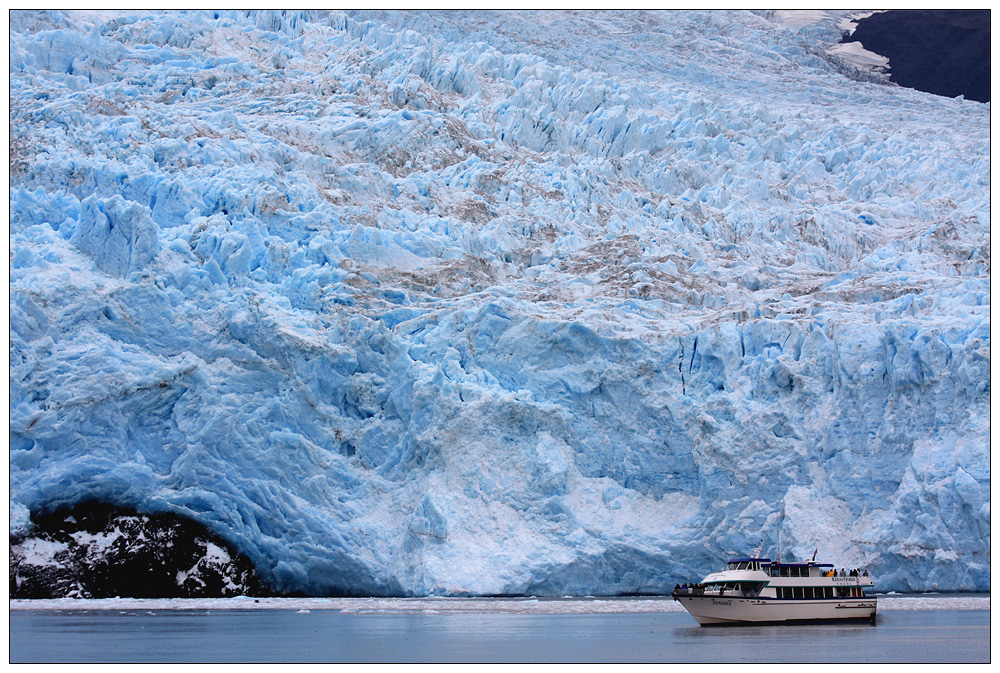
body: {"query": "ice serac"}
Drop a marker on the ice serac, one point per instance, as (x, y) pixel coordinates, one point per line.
(499, 303)
(121, 237)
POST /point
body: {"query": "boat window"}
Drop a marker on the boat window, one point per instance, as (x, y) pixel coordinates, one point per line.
(828, 592)
(797, 592)
(784, 572)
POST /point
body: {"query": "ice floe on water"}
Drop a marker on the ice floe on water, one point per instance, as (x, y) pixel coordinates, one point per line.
(453, 605)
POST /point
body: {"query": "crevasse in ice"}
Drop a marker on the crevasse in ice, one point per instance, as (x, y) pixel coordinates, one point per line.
(499, 303)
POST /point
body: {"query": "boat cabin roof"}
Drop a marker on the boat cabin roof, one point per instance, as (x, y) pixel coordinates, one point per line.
(767, 561)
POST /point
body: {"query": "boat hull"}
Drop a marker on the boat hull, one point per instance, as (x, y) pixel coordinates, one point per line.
(734, 610)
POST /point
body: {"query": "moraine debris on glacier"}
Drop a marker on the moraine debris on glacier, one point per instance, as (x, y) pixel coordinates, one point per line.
(499, 303)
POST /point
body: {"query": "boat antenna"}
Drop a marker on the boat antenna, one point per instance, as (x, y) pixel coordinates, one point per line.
(759, 549)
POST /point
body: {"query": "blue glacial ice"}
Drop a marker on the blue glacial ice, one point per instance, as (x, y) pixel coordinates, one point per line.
(475, 303)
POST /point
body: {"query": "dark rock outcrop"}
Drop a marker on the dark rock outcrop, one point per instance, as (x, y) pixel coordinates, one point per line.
(944, 52)
(96, 550)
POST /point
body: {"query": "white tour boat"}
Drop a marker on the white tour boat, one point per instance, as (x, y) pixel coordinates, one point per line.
(754, 590)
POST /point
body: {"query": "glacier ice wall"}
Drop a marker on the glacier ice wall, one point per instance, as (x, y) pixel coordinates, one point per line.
(499, 303)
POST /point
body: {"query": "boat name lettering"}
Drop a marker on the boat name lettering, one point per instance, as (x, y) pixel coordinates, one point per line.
(845, 580)
(715, 602)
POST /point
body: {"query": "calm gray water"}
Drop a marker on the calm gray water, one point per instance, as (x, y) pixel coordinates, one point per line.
(333, 636)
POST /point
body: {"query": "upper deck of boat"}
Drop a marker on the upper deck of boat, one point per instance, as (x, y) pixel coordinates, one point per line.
(753, 565)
